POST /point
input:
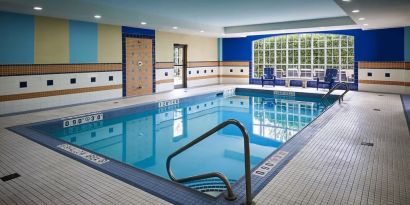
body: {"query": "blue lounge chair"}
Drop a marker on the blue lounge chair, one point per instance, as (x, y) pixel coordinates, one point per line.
(268, 76)
(330, 78)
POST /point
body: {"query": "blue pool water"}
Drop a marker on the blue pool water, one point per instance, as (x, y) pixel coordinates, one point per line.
(145, 139)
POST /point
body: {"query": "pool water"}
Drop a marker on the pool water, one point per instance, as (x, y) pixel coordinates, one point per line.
(144, 140)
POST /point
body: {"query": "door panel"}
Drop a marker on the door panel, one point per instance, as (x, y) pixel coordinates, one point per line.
(139, 66)
(180, 66)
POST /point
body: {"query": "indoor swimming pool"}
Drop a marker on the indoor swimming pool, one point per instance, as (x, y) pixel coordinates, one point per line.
(144, 136)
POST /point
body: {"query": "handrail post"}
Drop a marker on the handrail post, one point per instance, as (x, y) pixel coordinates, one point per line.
(247, 165)
(231, 196)
(334, 88)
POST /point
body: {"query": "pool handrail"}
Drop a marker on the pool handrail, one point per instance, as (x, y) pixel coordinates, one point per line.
(347, 89)
(230, 195)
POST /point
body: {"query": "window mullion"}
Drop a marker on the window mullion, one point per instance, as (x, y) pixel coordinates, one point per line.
(340, 58)
(274, 55)
(264, 53)
(299, 71)
(325, 52)
(311, 54)
(287, 56)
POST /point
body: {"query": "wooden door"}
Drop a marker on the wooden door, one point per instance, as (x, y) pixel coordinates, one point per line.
(138, 73)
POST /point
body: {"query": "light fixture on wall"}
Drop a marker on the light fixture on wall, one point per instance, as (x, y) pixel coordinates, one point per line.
(97, 16)
(362, 19)
(37, 8)
(356, 11)
(143, 23)
(175, 27)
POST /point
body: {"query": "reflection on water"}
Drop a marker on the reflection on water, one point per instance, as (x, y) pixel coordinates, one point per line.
(145, 140)
(280, 119)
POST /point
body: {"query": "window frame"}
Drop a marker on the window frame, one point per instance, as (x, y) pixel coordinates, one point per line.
(325, 52)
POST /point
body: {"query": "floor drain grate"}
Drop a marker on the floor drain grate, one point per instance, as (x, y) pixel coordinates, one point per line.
(376, 109)
(367, 144)
(10, 177)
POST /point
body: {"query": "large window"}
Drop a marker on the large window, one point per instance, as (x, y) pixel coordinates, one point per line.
(305, 55)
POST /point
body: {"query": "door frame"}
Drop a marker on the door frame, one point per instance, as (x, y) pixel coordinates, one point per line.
(184, 63)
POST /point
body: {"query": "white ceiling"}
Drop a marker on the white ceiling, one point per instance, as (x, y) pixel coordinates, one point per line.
(378, 13)
(215, 17)
(190, 16)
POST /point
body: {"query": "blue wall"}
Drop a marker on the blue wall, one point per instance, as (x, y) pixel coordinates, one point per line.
(83, 42)
(137, 31)
(16, 38)
(371, 45)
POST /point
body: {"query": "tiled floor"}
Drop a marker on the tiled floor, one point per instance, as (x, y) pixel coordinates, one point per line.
(333, 168)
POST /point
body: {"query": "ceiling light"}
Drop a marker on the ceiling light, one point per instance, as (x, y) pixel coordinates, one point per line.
(97, 16)
(175, 27)
(361, 19)
(201, 31)
(143, 23)
(356, 11)
(37, 8)
(346, 0)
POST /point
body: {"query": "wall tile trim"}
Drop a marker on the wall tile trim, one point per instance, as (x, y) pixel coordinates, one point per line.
(42, 69)
(384, 65)
(165, 81)
(164, 65)
(57, 92)
(384, 82)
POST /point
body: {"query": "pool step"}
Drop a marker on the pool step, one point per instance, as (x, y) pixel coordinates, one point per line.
(208, 186)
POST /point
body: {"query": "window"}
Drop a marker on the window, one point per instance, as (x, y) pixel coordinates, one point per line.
(305, 55)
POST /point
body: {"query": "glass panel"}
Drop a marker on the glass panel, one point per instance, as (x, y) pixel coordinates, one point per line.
(282, 52)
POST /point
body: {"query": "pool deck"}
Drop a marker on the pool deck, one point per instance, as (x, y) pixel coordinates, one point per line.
(333, 168)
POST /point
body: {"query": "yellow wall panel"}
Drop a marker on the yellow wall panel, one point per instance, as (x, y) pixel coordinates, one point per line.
(109, 44)
(200, 48)
(51, 40)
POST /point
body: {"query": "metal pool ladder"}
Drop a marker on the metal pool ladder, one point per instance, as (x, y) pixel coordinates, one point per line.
(333, 89)
(230, 195)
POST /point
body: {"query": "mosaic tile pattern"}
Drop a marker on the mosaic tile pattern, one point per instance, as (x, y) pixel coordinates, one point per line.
(84, 154)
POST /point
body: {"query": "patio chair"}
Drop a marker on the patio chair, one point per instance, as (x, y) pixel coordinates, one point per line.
(268, 75)
(330, 78)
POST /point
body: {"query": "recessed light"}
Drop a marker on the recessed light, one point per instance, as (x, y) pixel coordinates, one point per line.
(37, 8)
(361, 19)
(175, 27)
(143, 23)
(346, 0)
(97, 16)
(365, 24)
(201, 31)
(356, 11)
